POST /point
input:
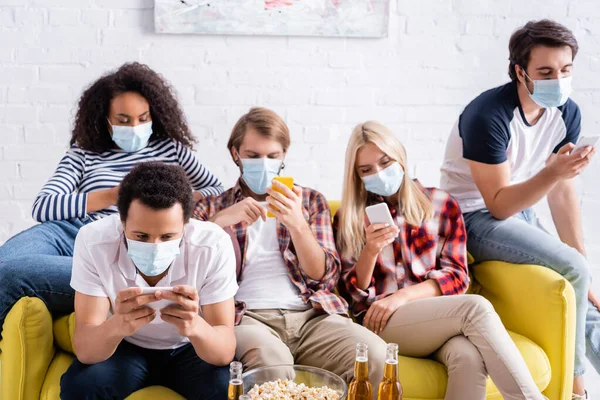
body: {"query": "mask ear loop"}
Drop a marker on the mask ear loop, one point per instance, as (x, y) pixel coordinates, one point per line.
(531, 80)
(281, 167)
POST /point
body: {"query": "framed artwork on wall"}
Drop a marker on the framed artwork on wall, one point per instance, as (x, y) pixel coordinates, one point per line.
(351, 18)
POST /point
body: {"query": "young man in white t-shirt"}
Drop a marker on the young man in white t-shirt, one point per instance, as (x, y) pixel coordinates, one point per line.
(122, 343)
(286, 308)
(512, 146)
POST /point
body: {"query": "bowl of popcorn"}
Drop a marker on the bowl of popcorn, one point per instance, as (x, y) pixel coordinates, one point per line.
(297, 382)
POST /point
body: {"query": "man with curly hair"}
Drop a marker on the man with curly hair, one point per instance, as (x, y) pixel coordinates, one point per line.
(122, 330)
(125, 117)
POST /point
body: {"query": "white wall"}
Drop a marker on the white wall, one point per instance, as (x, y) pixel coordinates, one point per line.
(438, 56)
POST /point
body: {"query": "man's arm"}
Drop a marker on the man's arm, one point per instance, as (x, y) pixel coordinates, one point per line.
(96, 338)
(287, 207)
(214, 340)
(504, 200)
(211, 334)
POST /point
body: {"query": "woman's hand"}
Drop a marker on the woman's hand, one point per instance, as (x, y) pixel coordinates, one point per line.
(379, 236)
(380, 311)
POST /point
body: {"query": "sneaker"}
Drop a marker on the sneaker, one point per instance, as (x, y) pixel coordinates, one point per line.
(580, 397)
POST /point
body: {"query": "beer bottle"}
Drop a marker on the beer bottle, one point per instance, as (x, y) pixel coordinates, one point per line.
(390, 388)
(236, 385)
(360, 387)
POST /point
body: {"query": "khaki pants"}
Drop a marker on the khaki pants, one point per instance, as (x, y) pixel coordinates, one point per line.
(275, 337)
(465, 334)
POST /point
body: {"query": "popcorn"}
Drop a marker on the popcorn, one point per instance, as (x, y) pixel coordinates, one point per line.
(289, 390)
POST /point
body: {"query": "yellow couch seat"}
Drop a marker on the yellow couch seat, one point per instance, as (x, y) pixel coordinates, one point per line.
(535, 304)
(421, 378)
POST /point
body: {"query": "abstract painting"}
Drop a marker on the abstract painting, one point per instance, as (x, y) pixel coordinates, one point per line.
(354, 18)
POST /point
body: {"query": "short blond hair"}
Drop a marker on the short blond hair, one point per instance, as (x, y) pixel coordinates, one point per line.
(265, 122)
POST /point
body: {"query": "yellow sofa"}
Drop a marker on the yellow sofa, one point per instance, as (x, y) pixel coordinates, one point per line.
(536, 305)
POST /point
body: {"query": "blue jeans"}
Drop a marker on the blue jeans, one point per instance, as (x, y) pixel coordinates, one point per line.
(132, 368)
(522, 240)
(37, 263)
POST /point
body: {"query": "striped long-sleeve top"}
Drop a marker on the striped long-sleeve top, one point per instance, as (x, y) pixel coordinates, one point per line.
(81, 172)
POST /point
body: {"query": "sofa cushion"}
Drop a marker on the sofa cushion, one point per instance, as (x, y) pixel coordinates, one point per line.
(26, 349)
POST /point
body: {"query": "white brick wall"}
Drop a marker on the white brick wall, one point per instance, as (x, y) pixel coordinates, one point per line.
(439, 55)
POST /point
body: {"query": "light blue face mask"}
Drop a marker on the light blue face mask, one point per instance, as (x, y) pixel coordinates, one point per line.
(386, 182)
(152, 259)
(132, 138)
(548, 93)
(258, 173)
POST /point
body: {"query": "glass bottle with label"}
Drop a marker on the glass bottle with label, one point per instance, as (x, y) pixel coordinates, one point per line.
(236, 385)
(390, 388)
(360, 387)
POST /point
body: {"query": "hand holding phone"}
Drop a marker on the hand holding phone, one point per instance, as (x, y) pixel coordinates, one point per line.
(584, 142)
(382, 230)
(158, 304)
(288, 181)
(132, 311)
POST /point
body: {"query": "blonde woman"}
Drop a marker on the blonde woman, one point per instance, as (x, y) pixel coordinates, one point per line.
(405, 282)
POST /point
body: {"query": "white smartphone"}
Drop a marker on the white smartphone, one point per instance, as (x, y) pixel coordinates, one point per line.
(159, 304)
(379, 214)
(585, 141)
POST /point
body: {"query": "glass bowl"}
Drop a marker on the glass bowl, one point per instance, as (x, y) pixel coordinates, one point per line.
(310, 376)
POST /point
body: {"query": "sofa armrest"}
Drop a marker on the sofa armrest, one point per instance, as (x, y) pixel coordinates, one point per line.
(27, 349)
(539, 304)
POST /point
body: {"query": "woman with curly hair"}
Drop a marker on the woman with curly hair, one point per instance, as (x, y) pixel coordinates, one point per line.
(125, 117)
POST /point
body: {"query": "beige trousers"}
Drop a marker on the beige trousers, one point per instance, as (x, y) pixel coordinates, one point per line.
(276, 337)
(465, 334)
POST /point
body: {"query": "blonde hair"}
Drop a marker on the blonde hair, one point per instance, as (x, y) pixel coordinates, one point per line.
(265, 122)
(414, 203)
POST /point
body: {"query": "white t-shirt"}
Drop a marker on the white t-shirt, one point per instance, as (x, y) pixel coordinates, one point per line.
(492, 129)
(102, 268)
(265, 282)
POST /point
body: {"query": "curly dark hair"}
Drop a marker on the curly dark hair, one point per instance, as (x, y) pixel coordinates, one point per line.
(90, 131)
(158, 186)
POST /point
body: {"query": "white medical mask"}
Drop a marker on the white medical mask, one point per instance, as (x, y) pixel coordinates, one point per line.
(152, 259)
(548, 93)
(386, 182)
(258, 173)
(132, 138)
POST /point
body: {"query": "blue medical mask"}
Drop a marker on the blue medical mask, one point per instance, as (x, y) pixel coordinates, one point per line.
(152, 259)
(258, 173)
(132, 138)
(550, 93)
(386, 182)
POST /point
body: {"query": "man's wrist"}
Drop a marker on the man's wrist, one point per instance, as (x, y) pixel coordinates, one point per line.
(198, 330)
(299, 229)
(113, 328)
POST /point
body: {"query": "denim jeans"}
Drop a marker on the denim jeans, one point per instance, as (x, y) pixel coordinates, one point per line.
(37, 263)
(132, 368)
(522, 240)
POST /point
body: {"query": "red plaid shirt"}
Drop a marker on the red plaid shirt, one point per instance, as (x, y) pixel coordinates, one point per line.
(435, 250)
(317, 214)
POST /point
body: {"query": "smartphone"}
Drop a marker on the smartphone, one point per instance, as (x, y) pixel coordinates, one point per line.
(159, 304)
(287, 181)
(379, 214)
(585, 141)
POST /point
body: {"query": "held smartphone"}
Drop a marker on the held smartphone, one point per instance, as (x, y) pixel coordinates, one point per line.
(379, 214)
(585, 141)
(287, 181)
(159, 304)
